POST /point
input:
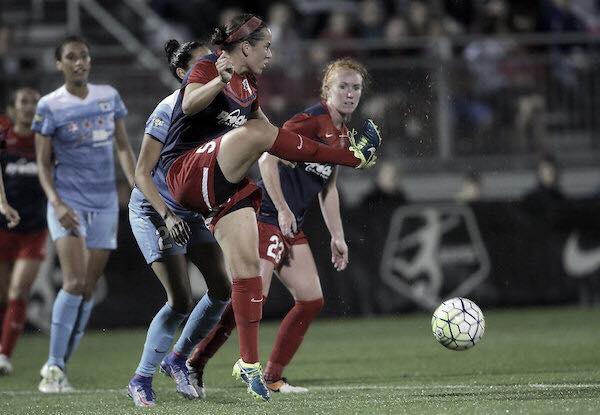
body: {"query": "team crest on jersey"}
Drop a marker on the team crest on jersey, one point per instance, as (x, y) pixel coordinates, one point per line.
(105, 106)
(158, 122)
(246, 86)
(231, 119)
(38, 118)
(322, 170)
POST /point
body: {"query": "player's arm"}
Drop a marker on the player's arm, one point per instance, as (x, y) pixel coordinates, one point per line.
(43, 152)
(198, 96)
(259, 115)
(124, 151)
(149, 155)
(11, 215)
(329, 199)
(269, 171)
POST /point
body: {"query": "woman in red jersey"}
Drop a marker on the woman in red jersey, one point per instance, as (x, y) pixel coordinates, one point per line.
(287, 194)
(218, 132)
(22, 235)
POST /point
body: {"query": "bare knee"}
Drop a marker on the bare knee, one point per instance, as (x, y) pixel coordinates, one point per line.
(245, 264)
(261, 132)
(181, 304)
(74, 285)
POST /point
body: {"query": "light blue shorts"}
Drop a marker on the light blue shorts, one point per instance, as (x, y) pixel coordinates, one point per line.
(99, 229)
(154, 239)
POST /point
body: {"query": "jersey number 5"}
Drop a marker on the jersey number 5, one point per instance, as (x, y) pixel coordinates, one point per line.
(207, 148)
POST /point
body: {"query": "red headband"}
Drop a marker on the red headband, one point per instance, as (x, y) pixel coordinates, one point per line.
(244, 30)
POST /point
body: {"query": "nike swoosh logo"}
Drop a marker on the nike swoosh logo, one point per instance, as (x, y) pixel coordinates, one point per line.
(158, 351)
(372, 151)
(301, 142)
(254, 300)
(328, 135)
(578, 262)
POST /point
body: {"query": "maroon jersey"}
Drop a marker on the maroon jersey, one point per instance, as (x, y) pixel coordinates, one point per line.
(300, 185)
(231, 108)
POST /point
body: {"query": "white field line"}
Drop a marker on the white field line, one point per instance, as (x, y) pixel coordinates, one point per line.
(335, 388)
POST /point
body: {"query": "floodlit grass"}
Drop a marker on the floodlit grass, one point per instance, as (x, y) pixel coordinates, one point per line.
(530, 361)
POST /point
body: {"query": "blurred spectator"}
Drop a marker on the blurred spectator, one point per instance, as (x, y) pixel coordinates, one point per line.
(558, 16)
(372, 19)
(545, 200)
(471, 188)
(388, 193)
(338, 26)
(287, 50)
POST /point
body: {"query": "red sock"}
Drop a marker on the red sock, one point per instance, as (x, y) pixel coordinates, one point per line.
(217, 337)
(13, 324)
(290, 336)
(295, 147)
(2, 312)
(247, 301)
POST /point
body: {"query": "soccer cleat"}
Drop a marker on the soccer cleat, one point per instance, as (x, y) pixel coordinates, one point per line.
(5, 365)
(140, 390)
(53, 380)
(175, 367)
(282, 386)
(366, 147)
(251, 374)
(195, 376)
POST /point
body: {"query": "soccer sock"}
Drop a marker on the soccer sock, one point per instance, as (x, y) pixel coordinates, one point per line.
(2, 313)
(64, 316)
(201, 320)
(295, 147)
(159, 339)
(213, 340)
(246, 300)
(13, 324)
(290, 336)
(85, 310)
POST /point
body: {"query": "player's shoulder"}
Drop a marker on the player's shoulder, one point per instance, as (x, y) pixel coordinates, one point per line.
(53, 97)
(168, 103)
(316, 110)
(102, 91)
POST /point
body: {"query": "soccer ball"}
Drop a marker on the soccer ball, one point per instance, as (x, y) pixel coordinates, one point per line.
(458, 324)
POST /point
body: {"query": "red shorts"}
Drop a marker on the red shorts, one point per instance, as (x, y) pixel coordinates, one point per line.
(15, 245)
(273, 246)
(195, 180)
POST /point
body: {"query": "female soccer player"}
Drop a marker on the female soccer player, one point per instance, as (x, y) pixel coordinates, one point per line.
(287, 194)
(154, 215)
(23, 234)
(76, 126)
(210, 147)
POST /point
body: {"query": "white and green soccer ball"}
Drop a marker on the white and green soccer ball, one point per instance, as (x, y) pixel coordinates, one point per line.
(458, 324)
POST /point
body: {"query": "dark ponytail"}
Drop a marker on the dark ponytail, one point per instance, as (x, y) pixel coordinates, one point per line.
(179, 55)
(242, 28)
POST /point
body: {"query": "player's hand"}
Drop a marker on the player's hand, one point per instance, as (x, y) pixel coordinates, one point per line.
(224, 67)
(178, 228)
(67, 217)
(11, 215)
(287, 222)
(339, 254)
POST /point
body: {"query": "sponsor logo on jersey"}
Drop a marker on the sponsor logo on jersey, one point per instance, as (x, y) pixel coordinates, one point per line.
(322, 170)
(21, 167)
(231, 119)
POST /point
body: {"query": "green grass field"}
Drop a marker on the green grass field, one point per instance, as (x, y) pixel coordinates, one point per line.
(530, 361)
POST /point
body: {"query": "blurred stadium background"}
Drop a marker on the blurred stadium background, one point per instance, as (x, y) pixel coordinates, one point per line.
(477, 99)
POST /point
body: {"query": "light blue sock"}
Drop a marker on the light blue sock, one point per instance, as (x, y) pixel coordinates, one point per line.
(64, 316)
(85, 310)
(159, 339)
(201, 321)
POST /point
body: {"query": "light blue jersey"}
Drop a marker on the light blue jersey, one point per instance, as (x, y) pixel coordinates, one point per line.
(82, 133)
(148, 227)
(157, 127)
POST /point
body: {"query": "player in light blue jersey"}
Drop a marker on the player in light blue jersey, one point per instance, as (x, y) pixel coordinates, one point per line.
(76, 128)
(160, 226)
